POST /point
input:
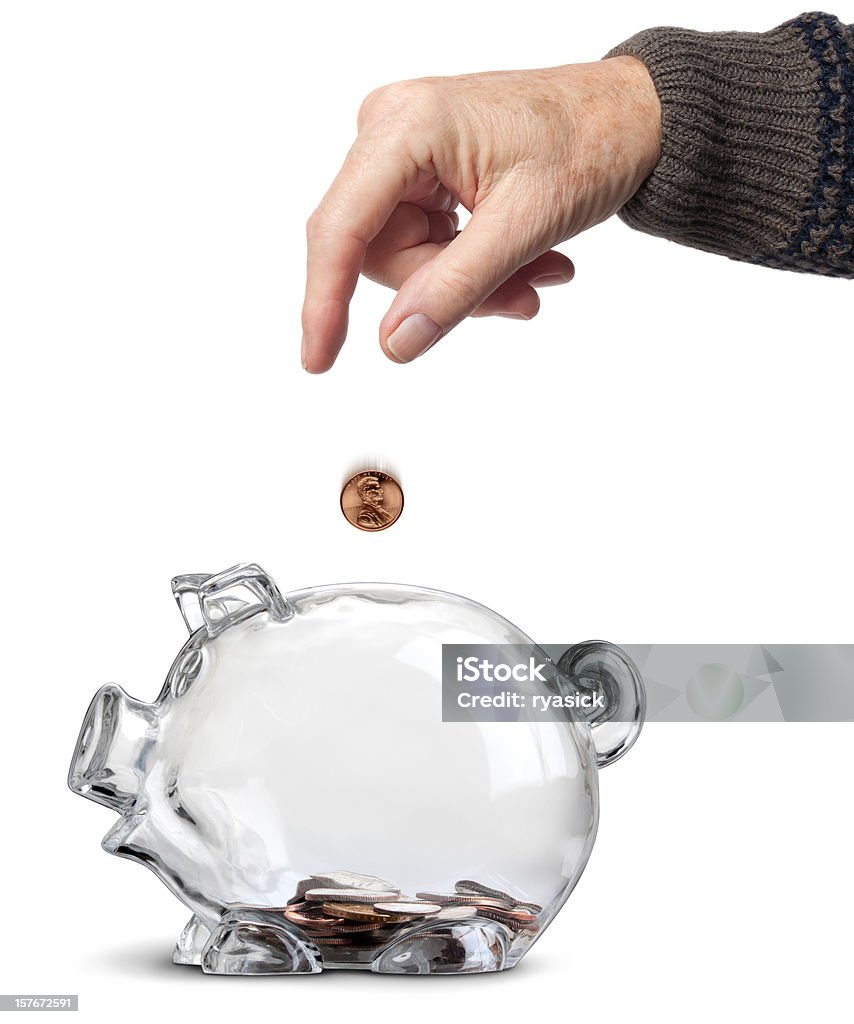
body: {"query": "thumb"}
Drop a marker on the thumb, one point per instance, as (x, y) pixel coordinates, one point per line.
(451, 286)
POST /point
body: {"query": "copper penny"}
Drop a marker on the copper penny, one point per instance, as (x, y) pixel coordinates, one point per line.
(512, 924)
(372, 501)
(511, 917)
(355, 912)
(359, 927)
(311, 920)
(533, 908)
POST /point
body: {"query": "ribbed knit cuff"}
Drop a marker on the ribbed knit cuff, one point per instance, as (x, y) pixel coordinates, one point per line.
(757, 159)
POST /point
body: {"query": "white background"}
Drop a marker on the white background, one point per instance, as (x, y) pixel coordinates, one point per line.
(663, 455)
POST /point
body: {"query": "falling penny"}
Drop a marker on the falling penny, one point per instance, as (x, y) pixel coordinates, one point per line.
(372, 501)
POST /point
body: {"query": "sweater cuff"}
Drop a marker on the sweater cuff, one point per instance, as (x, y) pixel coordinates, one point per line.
(757, 142)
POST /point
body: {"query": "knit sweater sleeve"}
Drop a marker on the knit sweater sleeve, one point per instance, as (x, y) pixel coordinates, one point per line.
(757, 158)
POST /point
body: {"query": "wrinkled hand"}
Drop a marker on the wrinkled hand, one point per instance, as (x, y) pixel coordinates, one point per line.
(535, 156)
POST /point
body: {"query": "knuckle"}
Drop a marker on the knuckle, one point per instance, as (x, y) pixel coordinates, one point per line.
(317, 224)
(368, 105)
(465, 285)
(419, 98)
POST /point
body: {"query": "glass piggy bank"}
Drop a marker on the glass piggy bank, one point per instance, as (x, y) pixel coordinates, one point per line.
(296, 784)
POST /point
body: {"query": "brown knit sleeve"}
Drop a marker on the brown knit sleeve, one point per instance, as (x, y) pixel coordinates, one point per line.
(757, 159)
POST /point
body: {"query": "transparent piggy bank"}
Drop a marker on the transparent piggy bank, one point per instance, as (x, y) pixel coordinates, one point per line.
(295, 784)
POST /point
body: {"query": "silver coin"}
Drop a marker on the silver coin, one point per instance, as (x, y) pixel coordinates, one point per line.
(467, 886)
(416, 909)
(456, 912)
(459, 897)
(352, 880)
(350, 895)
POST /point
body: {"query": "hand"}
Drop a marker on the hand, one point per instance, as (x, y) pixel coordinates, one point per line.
(535, 156)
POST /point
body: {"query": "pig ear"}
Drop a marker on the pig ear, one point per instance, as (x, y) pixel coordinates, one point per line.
(186, 592)
(217, 602)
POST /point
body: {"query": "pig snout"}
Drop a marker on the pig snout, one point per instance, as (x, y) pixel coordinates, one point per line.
(108, 762)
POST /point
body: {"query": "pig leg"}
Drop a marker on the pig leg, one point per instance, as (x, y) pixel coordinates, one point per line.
(252, 942)
(191, 942)
(474, 947)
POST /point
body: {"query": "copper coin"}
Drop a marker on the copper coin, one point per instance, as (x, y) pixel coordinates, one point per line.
(372, 501)
(513, 921)
(319, 933)
(311, 920)
(519, 917)
(533, 908)
(298, 905)
(354, 911)
(357, 927)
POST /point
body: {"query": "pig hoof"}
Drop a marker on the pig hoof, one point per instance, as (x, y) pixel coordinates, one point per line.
(458, 949)
(191, 942)
(256, 945)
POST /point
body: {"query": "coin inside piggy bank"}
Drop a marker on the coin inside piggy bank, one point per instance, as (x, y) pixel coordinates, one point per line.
(295, 785)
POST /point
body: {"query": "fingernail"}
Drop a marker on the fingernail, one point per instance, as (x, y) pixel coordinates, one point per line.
(302, 353)
(450, 227)
(549, 280)
(515, 316)
(413, 337)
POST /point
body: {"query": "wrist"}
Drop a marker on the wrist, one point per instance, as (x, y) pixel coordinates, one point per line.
(748, 141)
(639, 101)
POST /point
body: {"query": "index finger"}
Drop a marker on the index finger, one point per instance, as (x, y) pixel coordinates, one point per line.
(360, 200)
